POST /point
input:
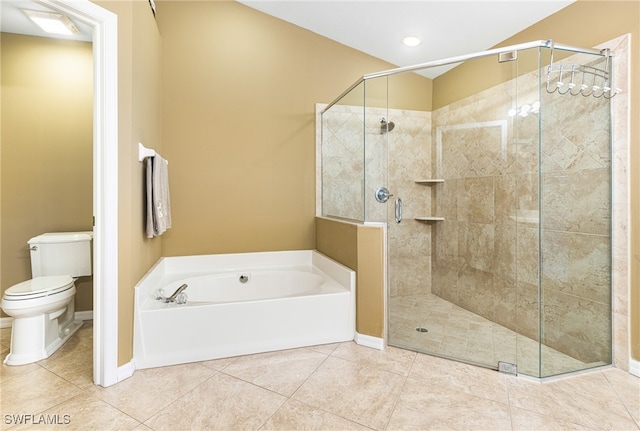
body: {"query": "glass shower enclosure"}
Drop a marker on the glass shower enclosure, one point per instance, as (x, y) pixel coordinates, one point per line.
(494, 181)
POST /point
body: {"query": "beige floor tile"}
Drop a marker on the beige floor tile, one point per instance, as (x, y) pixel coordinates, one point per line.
(627, 387)
(149, 391)
(327, 349)
(524, 420)
(7, 371)
(294, 415)
(362, 394)
(466, 378)
(74, 360)
(282, 372)
(391, 359)
(85, 413)
(219, 364)
(34, 392)
(458, 333)
(588, 400)
(220, 403)
(430, 406)
(352, 388)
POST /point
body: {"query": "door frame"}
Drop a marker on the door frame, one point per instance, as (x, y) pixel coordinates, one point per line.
(105, 182)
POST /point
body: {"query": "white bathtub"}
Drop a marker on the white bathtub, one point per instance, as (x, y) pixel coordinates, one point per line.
(288, 299)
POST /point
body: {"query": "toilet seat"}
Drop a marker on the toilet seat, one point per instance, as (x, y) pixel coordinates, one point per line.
(39, 287)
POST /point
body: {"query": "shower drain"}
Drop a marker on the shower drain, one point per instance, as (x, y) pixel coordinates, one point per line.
(421, 329)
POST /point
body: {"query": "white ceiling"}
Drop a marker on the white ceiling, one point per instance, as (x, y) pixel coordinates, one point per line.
(447, 27)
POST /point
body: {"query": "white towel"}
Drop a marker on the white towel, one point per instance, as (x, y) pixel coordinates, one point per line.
(158, 202)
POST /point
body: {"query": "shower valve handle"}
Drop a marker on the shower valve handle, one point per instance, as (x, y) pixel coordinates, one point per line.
(382, 194)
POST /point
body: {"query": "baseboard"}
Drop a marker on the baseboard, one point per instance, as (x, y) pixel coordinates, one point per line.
(369, 341)
(84, 315)
(634, 367)
(6, 322)
(126, 370)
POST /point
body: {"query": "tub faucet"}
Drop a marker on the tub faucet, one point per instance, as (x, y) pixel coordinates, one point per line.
(173, 298)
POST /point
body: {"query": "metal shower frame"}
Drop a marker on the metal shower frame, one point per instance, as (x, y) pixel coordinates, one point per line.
(461, 58)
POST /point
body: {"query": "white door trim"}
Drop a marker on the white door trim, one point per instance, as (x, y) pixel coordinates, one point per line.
(105, 182)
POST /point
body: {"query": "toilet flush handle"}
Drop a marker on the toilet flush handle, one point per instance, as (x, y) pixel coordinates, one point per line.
(34, 248)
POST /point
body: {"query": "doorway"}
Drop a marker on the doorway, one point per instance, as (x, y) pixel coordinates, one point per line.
(105, 184)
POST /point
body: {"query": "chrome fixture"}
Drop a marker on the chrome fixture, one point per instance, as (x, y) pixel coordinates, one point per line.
(179, 296)
(578, 79)
(398, 210)
(386, 126)
(382, 194)
(243, 278)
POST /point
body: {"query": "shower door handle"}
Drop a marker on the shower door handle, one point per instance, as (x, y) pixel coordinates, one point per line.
(398, 210)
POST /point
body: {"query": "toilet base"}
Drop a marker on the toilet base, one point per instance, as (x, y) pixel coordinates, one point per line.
(45, 337)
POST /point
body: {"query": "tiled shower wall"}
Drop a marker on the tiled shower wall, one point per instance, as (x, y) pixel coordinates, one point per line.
(485, 255)
(409, 242)
(357, 160)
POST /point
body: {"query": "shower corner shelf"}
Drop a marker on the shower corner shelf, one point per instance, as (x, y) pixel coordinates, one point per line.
(429, 219)
(430, 182)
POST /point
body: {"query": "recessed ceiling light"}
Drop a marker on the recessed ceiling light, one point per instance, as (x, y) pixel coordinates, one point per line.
(52, 22)
(411, 41)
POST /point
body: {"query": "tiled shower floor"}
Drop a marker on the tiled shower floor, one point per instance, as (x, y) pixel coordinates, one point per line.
(332, 387)
(457, 333)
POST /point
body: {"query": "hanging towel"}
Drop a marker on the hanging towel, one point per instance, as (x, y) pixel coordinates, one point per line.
(158, 202)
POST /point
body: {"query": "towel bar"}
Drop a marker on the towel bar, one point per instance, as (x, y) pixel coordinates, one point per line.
(144, 152)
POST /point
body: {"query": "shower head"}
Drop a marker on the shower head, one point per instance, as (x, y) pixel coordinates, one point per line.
(386, 126)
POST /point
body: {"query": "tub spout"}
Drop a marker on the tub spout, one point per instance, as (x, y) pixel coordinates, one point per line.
(178, 291)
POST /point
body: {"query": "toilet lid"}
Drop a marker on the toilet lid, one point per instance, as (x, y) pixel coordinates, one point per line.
(40, 286)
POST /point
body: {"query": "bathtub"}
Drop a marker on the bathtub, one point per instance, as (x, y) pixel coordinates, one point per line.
(241, 304)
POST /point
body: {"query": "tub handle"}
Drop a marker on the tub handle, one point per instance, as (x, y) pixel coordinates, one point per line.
(178, 291)
(398, 210)
(177, 296)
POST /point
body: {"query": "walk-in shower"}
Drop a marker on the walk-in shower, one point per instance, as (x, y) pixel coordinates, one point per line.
(501, 169)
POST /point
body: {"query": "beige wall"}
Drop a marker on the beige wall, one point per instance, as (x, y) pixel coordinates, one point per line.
(579, 24)
(360, 248)
(370, 296)
(401, 91)
(139, 93)
(46, 123)
(239, 95)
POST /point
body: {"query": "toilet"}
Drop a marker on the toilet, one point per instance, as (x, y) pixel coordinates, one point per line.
(43, 307)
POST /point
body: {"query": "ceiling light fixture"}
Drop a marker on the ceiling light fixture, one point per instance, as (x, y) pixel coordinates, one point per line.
(52, 22)
(411, 41)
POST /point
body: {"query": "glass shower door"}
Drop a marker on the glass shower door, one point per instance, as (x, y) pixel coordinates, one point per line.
(453, 272)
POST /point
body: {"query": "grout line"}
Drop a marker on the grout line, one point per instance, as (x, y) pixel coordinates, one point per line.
(400, 392)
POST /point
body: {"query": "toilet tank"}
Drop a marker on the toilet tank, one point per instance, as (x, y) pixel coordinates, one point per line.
(61, 253)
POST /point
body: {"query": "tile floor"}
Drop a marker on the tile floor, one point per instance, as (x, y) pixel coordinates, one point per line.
(331, 387)
(459, 333)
